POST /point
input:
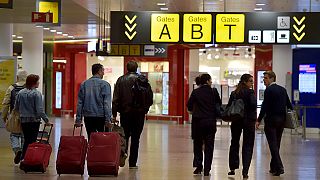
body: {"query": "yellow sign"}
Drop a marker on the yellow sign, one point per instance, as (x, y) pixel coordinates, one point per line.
(299, 29)
(197, 27)
(4, 1)
(52, 7)
(124, 50)
(135, 50)
(230, 28)
(114, 49)
(165, 28)
(7, 68)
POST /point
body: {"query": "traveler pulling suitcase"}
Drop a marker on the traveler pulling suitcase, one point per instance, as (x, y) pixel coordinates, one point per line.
(72, 154)
(104, 153)
(37, 155)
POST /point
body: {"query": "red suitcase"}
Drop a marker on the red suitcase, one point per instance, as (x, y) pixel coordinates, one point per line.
(104, 153)
(37, 155)
(71, 154)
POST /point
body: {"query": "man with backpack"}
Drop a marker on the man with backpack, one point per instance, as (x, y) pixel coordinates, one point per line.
(132, 98)
(16, 136)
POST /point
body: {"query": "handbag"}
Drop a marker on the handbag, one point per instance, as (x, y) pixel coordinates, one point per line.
(13, 123)
(291, 119)
(235, 111)
(218, 108)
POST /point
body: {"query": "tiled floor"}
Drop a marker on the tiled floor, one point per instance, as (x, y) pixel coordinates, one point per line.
(166, 153)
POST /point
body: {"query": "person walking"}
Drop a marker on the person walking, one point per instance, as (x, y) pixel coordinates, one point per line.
(132, 98)
(94, 102)
(202, 103)
(273, 110)
(16, 136)
(246, 124)
(29, 104)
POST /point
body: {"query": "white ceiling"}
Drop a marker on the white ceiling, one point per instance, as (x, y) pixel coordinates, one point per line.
(80, 17)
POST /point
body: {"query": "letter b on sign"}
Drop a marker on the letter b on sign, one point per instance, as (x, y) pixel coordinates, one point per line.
(197, 27)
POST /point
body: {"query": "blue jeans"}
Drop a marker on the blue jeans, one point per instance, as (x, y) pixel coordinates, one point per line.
(17, 141)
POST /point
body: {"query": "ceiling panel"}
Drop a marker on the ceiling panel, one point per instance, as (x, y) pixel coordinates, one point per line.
(80, 17)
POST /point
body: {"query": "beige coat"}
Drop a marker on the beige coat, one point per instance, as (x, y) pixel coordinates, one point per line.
(12, 120)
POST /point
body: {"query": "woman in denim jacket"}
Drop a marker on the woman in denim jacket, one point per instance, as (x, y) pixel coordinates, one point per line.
(29, 105)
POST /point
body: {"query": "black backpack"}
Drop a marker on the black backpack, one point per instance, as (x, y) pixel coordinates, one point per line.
(14, 94)
(142, 96)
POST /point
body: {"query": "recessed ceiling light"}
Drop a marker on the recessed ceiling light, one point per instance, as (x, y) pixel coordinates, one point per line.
(53, 30)
(164, 9)
(258, 9)
(59, 32)
(46, 28)
(64, 34)
(19, 37)
(70, 36)
(13, 35)
(161, 4)
(260, 4)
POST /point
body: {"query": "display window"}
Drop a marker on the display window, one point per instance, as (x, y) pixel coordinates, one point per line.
(158, 75)
(226, 65)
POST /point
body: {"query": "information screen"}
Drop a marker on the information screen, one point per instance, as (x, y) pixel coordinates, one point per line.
(308, 78)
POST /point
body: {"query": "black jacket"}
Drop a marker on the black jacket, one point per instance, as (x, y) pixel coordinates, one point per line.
(275, 102)
(202, 102)
(122, 95)
(250, 103)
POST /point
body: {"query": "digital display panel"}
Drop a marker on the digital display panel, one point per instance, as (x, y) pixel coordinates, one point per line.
(308, 78)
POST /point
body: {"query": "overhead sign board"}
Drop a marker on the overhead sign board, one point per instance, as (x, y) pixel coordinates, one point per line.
(211, 28)
(151, 50)
(51, 6)
(6, 4)
(41, 17)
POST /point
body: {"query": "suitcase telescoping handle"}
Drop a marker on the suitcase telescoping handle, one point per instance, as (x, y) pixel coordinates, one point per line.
(74, 128)
(44, 130)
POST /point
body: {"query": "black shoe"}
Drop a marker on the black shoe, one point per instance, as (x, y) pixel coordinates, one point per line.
(133, 167)
(198, 170)
(278, 173)
(206, 173)
(245, 176)
(271, 171)
(231, 173)
(17, 158)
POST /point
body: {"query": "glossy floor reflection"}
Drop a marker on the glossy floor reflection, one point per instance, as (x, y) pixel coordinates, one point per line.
(166, 153)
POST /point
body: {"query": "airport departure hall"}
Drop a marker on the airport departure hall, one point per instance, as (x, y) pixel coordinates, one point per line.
(160, 89)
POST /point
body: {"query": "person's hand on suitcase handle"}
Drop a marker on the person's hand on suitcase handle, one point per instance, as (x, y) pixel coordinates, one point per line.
(77, 124)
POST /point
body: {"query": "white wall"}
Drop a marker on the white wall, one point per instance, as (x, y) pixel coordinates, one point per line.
(282, 62)
(115, 63)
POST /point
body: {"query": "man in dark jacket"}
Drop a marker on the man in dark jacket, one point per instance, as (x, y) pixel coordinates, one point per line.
(273, 110)
(131, 114)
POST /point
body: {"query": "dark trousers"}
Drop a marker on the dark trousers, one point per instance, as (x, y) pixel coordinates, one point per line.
(94, 124)
(274, 134)
(132, 124)
(30, 131)
(248, 129)
(204, 134)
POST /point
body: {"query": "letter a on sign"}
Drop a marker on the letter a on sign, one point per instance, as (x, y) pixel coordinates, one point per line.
(165, 27)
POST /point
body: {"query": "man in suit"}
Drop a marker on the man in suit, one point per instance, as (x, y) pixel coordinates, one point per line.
(273, 110)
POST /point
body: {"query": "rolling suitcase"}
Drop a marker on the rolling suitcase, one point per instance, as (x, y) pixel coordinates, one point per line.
(37, 155)
(71, 154)
(104, 153)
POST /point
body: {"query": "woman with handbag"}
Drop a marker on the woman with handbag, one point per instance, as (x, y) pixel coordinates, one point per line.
(246, 124)
(202, 104)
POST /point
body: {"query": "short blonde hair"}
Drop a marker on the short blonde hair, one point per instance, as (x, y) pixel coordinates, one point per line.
(271, 74)
(22, 75)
